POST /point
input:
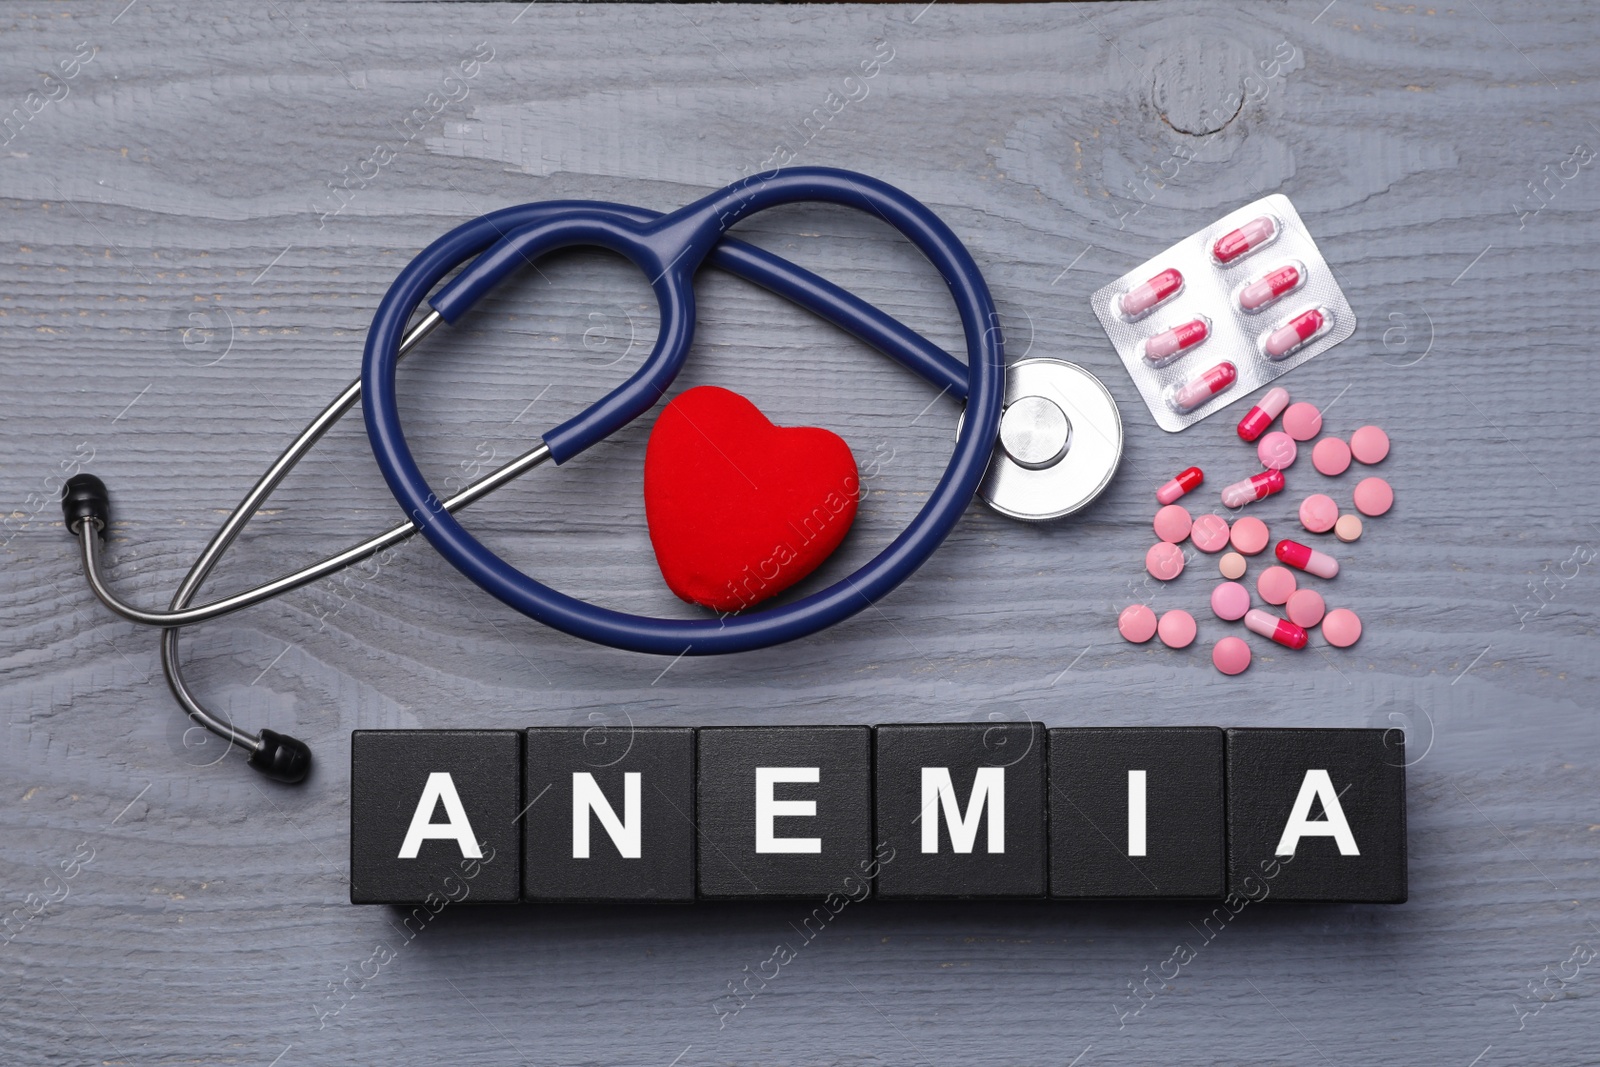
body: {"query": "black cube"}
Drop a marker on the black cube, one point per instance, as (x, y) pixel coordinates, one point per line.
(1137, 812)
(1317, 815)
(961, 805)
(784, 811)
(432, 816)
(610, 813)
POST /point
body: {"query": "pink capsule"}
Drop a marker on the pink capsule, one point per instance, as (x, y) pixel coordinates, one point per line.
(1270, 286)
(1256, 487)
(1304, 558)
(1146, 295)
(1186, 480)
(1164, 347)
(1301, 328)
(1258, 418)
(1282, 631)
(1207, 385)
(1247, 238)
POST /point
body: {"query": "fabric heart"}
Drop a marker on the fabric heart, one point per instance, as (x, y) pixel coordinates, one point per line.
(740, 509)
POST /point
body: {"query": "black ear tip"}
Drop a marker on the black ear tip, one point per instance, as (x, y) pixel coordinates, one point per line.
(282, 758)
(85, 497)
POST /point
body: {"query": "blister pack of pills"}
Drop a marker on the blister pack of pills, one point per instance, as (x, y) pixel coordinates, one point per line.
(1223, 312)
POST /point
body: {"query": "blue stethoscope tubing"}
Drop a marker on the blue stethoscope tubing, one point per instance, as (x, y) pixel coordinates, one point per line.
(669, 250)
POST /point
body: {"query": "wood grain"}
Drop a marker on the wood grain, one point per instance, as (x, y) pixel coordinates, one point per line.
(181, 296)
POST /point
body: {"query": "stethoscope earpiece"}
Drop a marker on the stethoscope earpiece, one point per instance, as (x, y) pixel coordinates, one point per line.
(281, 757)
(85, 498)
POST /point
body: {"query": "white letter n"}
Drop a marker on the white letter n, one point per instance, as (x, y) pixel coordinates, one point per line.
(586, 798)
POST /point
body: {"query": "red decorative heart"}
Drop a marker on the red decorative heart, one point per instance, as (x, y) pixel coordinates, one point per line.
(740, 509)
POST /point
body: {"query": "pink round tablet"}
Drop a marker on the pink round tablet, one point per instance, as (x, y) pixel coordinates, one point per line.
(1137, 623)
(1177, 629)
(1318, 513)
(1164, 561)
(1373, 496)
(1302, 421)
(1305, 608)
(1331, 456)
(1249, 535)
(1277, 451)
(1230, 655)
(1229, 601)
(1172, 523)
(1341, 627)
(1210, 533)
(1369, 445)
(1276, 584)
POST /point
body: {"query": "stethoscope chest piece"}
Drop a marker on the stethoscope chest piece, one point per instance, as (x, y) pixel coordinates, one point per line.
(1060, 442)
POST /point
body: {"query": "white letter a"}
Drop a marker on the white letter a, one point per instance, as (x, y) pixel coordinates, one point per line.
(457, 829)
(1317, 786)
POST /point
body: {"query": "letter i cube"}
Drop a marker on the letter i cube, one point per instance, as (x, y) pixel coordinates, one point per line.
(1137, 812)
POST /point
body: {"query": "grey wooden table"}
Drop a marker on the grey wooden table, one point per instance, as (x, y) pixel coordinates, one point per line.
(203, 205)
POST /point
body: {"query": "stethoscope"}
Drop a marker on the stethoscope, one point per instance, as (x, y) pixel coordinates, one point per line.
(1058, 429)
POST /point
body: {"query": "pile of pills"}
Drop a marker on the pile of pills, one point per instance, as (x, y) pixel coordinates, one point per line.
(1278, 585)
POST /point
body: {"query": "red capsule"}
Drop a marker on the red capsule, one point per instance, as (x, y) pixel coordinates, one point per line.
(1186, 480)
(1284, 340)
(1270, 286)
(1146, 295)
(1258, 418)
(1164, 347)
(1282, 631)
(1304, 558)
(1256, 487)
(1247, 238)
(1206, 386)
